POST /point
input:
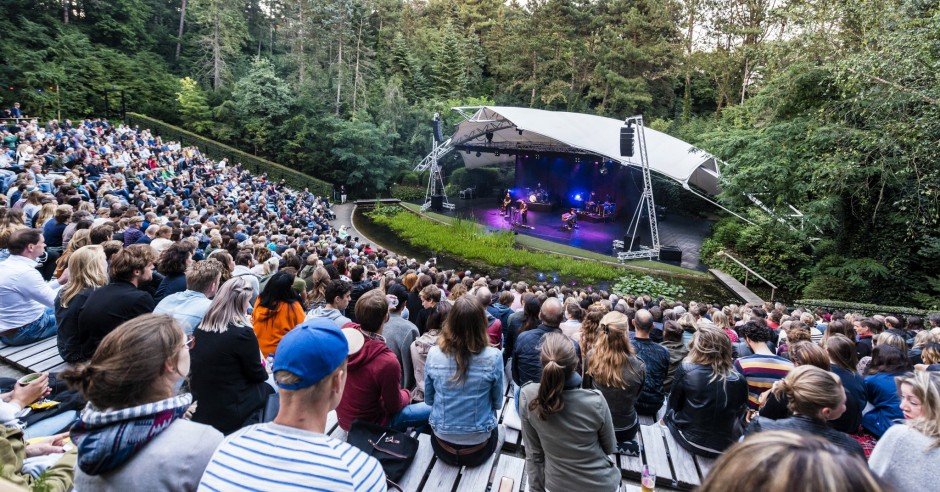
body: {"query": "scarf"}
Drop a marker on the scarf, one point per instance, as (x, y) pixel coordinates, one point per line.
(106, 439)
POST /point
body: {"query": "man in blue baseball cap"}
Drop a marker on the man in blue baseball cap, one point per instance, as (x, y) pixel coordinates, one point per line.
(293, 451)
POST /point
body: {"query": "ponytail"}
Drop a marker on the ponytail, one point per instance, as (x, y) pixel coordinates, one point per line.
(558, 362)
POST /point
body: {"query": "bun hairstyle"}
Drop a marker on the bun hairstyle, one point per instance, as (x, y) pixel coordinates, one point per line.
(809, 389)
(128, 362)
(559, 360)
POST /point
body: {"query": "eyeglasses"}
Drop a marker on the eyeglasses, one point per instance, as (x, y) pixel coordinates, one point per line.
(190, 342)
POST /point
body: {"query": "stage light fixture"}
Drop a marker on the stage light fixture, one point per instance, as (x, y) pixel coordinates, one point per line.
(497, 153)
(489, 137)
(468, 151)
(626, 139)
(577, 197)
(520, 131)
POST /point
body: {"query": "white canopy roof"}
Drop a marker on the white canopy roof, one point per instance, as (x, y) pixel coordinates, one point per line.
(583, 133)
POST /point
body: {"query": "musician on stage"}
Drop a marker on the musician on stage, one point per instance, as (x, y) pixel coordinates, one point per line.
(524, 212)
(506, 201)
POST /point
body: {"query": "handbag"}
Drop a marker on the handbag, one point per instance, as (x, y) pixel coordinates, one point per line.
(394, 450)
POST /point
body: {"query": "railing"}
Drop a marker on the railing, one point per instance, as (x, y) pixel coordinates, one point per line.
(216, 150)
(748, 271)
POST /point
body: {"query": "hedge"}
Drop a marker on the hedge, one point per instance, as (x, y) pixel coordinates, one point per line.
(857, 307)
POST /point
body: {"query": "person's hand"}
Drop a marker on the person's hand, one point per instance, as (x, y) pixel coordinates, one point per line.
(51, 445)
(25, 395)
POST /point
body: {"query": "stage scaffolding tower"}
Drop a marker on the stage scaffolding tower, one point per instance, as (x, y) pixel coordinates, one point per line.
(646, 202)
(435, 190)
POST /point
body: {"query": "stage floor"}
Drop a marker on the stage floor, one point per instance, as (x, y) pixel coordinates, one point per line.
(685, 232)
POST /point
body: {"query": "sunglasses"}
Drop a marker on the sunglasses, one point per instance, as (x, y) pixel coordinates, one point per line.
(190, 342)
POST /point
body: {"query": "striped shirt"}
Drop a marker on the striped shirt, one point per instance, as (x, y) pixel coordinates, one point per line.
(275, 457)
(761, 371)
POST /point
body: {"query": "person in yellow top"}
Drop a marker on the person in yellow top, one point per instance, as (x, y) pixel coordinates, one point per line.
(277, 311)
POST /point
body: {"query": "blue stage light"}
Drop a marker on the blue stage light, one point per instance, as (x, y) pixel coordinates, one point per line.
(577, 197)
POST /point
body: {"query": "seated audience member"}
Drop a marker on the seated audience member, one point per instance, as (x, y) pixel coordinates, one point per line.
(190, 306)
(464, 387)
(172, 263)
(907, 456)
(28, 301)
(120, 300)
(527, 357)
(614, 370)
(708, 395)
(814, 397)
(774, 405)
(921, 339)
(244, 261)
(571, 327)
(763, 368)
(277, 310)
(430, 296)
(930, 356)
(89, 268)
(842, 361)
(400, 333)
(360, 285)
(887, 363)
(423, 345)
(494, 327)
(373, 387)
(568, 431)
(656, 359)
(337, 298)
(590, 326)
(228, 378)
(865, 329)
(678, 350)
(790, 461)
(310, 369)
(132, 434)
(520, 321)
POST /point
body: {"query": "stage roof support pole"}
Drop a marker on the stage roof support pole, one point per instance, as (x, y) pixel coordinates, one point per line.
(646, 200)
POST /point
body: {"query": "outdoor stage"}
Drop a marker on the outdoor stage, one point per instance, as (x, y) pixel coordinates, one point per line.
(685, 232)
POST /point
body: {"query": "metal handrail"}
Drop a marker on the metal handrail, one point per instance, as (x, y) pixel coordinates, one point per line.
(747, 269)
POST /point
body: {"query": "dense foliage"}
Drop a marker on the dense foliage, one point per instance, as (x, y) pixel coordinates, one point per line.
(827, 106)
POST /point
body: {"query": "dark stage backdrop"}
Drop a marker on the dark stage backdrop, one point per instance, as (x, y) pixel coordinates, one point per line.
(570, 181)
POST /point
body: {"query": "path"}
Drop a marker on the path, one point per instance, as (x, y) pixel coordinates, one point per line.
(738, 288)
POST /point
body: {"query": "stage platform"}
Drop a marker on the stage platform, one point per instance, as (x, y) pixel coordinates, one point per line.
(686, 233)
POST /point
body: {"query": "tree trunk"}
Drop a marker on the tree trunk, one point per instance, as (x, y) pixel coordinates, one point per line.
(356, 79)
(66, 6)
(216, 53)
(300, 36)
(687, 93)
(339, 73)
(179, 36)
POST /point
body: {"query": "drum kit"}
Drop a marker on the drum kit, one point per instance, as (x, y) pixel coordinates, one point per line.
(538, 195)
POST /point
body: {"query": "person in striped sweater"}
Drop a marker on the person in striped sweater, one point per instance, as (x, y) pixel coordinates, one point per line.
(763, 368)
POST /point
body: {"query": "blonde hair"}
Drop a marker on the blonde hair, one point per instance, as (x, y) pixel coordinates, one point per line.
(228, 306)
(612, 351)
(710, 346)
(81, 238)
(789, 461)
(590, 325)
(809, 389)
(87, 269)
(721, 320)
(926, 388)
(45, 213)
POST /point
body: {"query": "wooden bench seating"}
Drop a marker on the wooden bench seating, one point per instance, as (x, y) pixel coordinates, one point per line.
(41, 356)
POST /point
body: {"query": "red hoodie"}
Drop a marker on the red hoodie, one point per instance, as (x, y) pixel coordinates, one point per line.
(373, 386)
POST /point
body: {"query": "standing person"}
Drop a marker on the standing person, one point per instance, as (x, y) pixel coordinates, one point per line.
(310, 369)
(120, 300)
(763, 368)
(814, 397)
(400, 333)
(374, 391)
(618, 374)
(887, 363)
(277, 310)
(342, 194)
(907, 456)
(656, 359)
(568, 431)
(464, 387)
(524, 213)
(28, 301)
(337, 298)
(228, 378)
(708, 395)
(134, 417)
(88, 269)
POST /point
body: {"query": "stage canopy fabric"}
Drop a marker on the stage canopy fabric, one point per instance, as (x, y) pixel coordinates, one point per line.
(534, 130)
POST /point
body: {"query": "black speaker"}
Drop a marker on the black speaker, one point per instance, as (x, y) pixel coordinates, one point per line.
(670, 253)
(437, 203)
(626, 141)
(626, 240)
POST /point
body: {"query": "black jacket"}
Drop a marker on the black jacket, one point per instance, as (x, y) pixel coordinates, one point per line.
(358, 289)
(806, 426)
(228, 380)
(527, 354)
(701, 412)
(68, 340)
(108, 307)
(656, 359)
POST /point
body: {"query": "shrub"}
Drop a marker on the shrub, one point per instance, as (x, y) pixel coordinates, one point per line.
(638, 285)
(407, 193)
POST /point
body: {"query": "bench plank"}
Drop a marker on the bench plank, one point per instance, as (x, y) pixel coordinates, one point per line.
(48, 364)
(17, 354)
(442, 476)
(704, 465)
(512, 467)
(45, 355)
(477, 478)
(629, 487)
(657, 456)
(419, 467)
(632, 466)
(683, 462)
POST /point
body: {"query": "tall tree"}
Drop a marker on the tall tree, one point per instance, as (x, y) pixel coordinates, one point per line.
(222, 33)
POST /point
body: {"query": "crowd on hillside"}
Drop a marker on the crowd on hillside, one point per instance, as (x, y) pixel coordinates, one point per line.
(212, 319)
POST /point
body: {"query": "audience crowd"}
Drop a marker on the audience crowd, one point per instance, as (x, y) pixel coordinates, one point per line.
(212, 319)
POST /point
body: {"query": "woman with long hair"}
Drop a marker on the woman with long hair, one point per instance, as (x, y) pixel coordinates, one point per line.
(615, 371)
(790, 461)
(887, 363)
(45, 213)
(277, 311)
(464, 387)
(229, 376)
(568, 431)
(80, 239)
(88, 270)
(907, 456)
(10, 220)
(774, 404)
(134, 417)
(721, 321)
(589, 325)
(843, 357)
(708, 395)
(316, 294)
(838, 327)
(33, 205)
(814, 396)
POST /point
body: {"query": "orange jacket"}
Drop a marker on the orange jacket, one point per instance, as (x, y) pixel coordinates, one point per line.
(271, 325)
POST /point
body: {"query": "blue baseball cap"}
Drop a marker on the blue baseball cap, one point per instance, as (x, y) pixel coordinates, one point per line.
(313, 350)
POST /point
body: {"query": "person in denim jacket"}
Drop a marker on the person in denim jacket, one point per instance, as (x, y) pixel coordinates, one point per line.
(464, 386)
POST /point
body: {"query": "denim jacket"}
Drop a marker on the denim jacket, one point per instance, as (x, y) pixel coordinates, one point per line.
(187, 307)
(468, 407)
